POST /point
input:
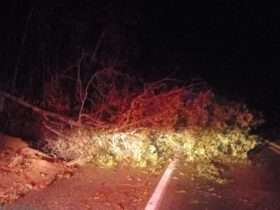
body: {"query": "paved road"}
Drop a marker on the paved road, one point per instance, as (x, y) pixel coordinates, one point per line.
(93, 188)
(247, 187)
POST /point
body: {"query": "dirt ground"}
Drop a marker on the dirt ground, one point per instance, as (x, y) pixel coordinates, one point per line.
(23, 169)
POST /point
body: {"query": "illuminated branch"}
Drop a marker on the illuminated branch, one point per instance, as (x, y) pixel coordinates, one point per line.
(85, 97)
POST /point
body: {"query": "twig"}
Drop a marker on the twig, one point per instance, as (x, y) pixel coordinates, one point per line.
(93, 58)
(54, 131)
(85, 96)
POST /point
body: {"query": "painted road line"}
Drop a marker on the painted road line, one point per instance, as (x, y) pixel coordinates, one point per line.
(154, 202)
(275, 150)
(274, 147)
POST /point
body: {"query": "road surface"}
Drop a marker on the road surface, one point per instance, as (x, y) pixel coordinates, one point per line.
(246, 187)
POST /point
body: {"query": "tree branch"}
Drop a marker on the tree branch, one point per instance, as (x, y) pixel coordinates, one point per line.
(44, 113)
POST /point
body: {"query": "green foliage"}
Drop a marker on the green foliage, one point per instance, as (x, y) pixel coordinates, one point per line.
(144, 148)
(146, 127)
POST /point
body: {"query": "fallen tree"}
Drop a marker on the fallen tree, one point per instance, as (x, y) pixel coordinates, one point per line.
(114, 120)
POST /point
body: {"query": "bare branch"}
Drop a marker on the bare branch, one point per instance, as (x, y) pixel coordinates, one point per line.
(41, 111)
(93, 58)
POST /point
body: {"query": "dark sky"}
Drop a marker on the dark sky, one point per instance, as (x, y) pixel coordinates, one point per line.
(233, 45)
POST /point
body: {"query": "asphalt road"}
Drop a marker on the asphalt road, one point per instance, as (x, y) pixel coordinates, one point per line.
(245, 187)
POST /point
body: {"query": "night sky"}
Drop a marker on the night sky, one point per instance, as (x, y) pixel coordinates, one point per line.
(232, 45)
